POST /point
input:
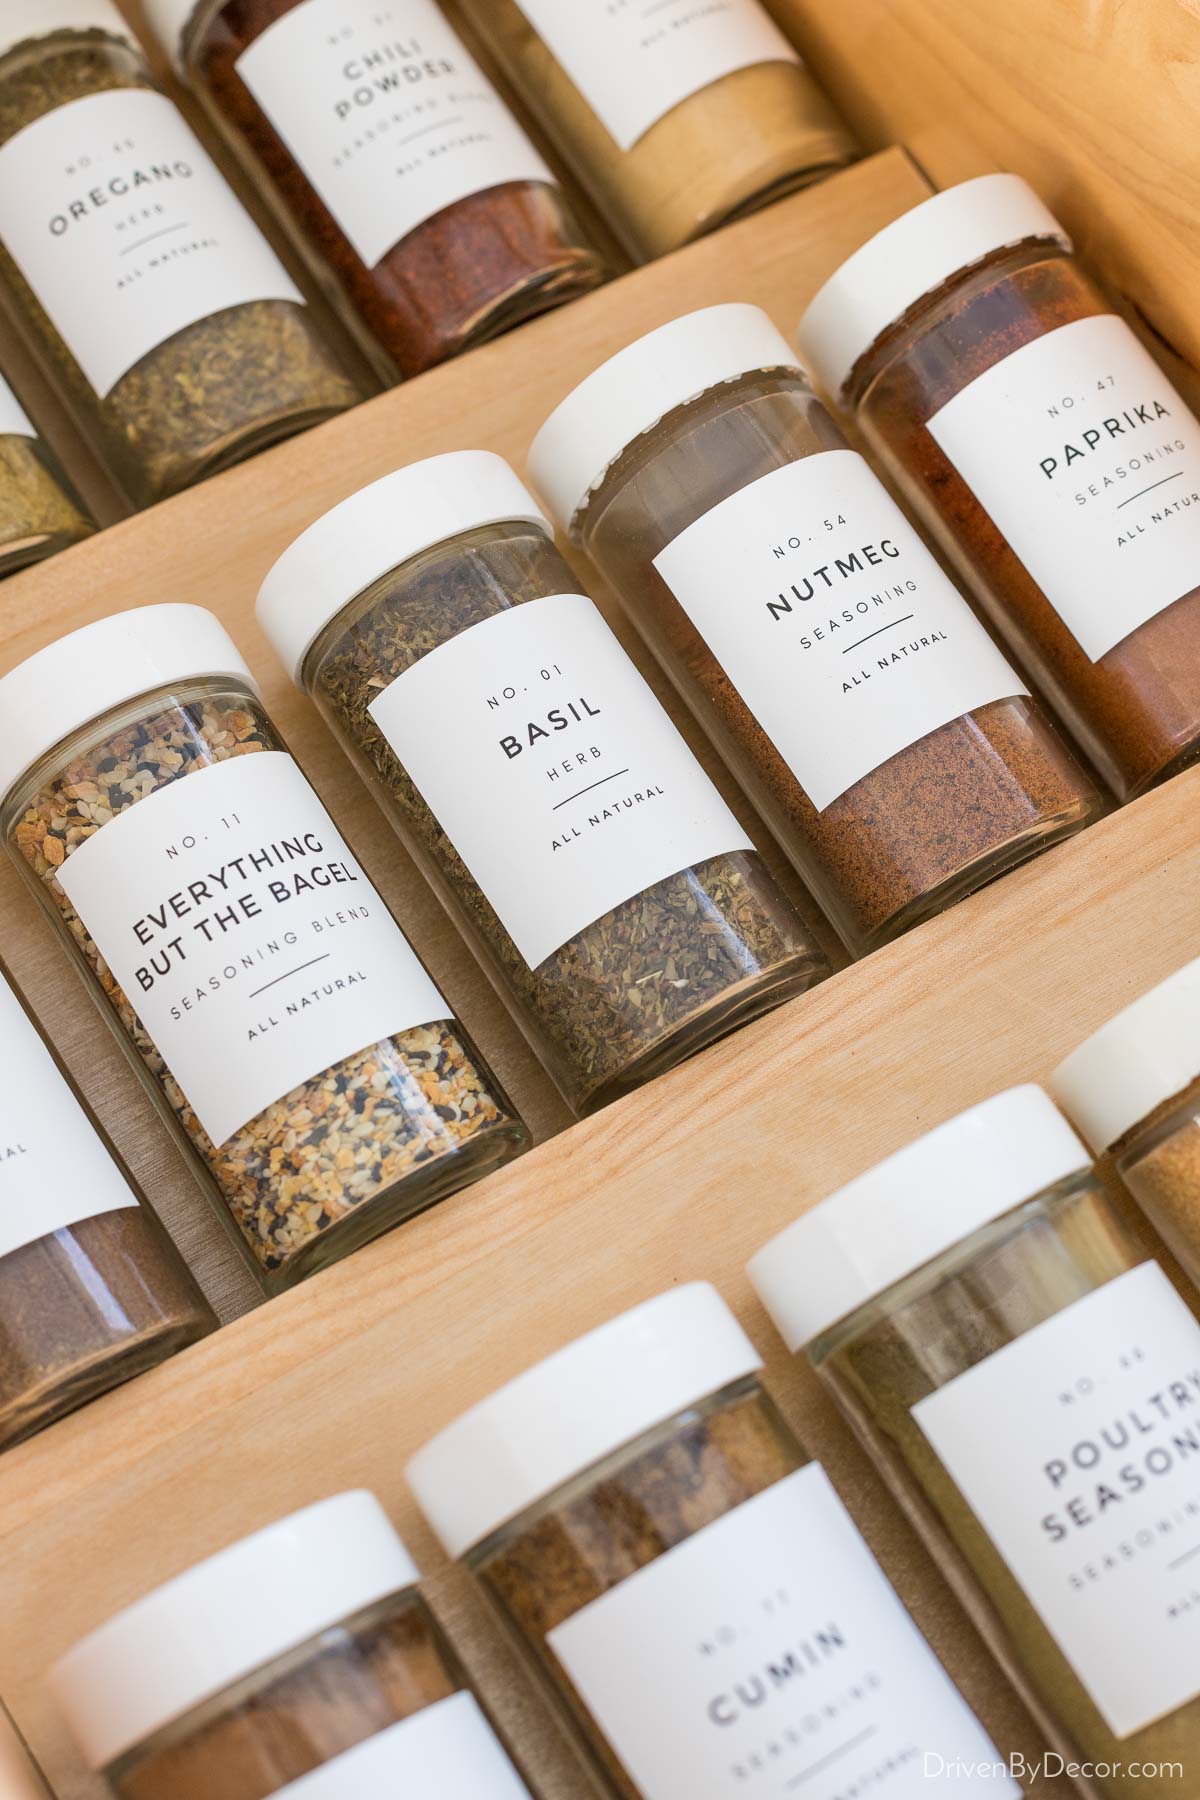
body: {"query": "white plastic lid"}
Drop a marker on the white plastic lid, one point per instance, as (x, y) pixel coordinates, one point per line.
(194, 1637)
(897, 1217)
(84, 675)
(24, 20)
(578, 1406)
(169, 20)
(1143, 1056)
(912, 257)
(640, 385)
(378, 529)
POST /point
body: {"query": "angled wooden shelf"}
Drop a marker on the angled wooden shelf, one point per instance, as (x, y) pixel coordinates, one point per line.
(335, 1384)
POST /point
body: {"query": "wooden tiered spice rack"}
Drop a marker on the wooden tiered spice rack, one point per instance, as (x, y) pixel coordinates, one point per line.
(335, 1384)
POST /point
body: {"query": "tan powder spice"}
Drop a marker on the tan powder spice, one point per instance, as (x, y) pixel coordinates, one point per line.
(1161, 1168)
(316, 1155)
(282, 1722)
(732, 146)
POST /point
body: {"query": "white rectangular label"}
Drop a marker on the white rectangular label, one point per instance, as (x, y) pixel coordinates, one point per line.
(13, 422)
(386, 113)
(126, 230)
(1088, 461)
(634, 60)
(832, 620)
(552, 769)
(54, 1170)
(447, 1752)
(238, 923)
(768, 1656)
(1086, 1476)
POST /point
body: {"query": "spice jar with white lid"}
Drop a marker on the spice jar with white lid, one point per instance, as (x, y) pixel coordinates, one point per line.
(1029, 1383)
(92, 1290)
(260, 986)
(301, 1663)
(1046, 450)
(38, 516)
(674, 117)
(153, 303)
(1133, 1090)
(886, 741)
(603, 882)
(420, 202)
(685, 1579)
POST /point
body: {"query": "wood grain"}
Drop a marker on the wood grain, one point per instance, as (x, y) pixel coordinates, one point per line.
(337, 1383)
(1094, 101)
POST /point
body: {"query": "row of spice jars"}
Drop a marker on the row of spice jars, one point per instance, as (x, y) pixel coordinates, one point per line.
(685, 1582)
(169, 325)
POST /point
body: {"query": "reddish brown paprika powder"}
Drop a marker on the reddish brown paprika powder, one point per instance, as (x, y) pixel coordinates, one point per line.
(1044, 448)
(423, 207)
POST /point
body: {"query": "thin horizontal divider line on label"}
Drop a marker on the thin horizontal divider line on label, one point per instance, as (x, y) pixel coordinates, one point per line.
(588, 789)
(298, 971)
(1151, 488)
(872, 634)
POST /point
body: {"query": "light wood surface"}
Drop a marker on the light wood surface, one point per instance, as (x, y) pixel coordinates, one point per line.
(336, 1384)
(1095, 102)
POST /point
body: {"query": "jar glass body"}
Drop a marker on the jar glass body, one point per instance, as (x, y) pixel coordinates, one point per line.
(298, 1713)
(205, 396)
(1052, 1256)
(38, 517)
(353, 1149)
(92, 1302)
(617, 1519)
(464, 273)
(1159, 1162)
(733, 146)
(642, 985)
(953, 810)
(1135, 709)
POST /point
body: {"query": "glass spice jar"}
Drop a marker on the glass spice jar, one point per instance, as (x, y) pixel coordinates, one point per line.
(674, 117)
(262, 990)
(1047, 452)
(153, 303)
(1030, 1386)
(38, 517)
(92, 1290)
(20, 1779)
(301, 1662)
(884, 738)
(685, 1580)
(419, 200)
(1133, 1090)
(605, 885)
